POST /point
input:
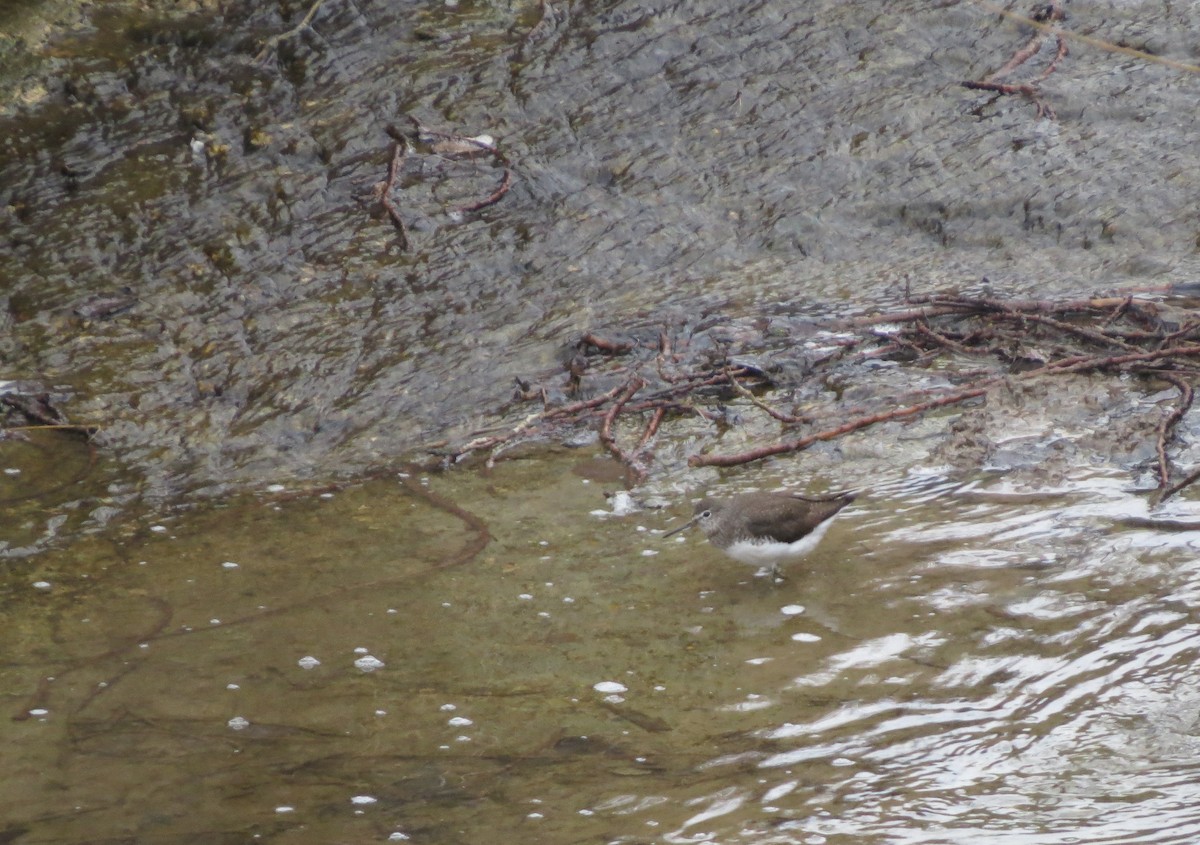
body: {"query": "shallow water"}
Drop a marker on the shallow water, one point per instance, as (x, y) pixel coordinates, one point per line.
(989, 652)
(954, 660)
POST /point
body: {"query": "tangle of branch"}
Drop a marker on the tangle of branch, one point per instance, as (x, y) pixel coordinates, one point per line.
(653, 376)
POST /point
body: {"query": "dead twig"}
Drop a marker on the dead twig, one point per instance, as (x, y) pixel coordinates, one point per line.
(1053, 12)
(1050, 13)
(942, 340)
(634, 384)
(1061, 53)
(399, 151)
(1076, 363)
(1026, 339)
(748, 394)
(830, 434)
(545, 20)
(273, 42)
(1042, 24)
(1093, 335)
(1026, 89)
(1187, 481)
(1166, 428)
(84, 430)
(612, 347)
(491, 199)
(445, 146)
(1119, 310)
(651, 428)
(1083, 363)
(558, 414)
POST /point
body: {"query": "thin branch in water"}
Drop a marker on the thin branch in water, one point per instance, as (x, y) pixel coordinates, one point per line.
(274, 40)
(1028, 90)
(70, 428)
(1166, 428)
(604, 344)
(399, 151)
(1099, 337)
(491, 199)
(651, 428)
(1062, 52)
(631, 387)
(832, 433)
(747, 393)
(545, 20)
(1191, 479)
(1119, 310)
(1099, 43)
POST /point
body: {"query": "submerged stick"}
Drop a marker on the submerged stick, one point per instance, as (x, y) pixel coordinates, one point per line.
(272, 42)
(832, 433)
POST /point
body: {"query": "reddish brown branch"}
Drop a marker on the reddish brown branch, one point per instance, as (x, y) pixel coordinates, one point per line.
(942, 340)
(1019, 58)
(399, 151)
(562, 413)
(493, 198)
(1166, 428)
(1052, 12)
(832, 433)
(612, 347)
(746, 393)
(634, 384)
(896, 339)
(1061, 53)
(1028, 89)
(1189, 328)
(1119, 310)
(606, 436)
(1191, 479)
(575, 407)
(1102, 338)
(651, 427)
(1066, 334)
(1080, 363)
(1076, 363)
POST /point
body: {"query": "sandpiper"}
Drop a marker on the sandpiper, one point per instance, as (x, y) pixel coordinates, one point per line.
(765, 529)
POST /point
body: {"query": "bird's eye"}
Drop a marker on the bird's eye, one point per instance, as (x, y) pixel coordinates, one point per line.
(705, 514)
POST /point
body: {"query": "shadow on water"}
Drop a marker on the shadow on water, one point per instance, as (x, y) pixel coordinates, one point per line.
(955, 658)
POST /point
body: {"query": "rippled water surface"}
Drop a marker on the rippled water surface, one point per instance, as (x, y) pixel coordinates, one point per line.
(200, 646)
(956, 659)
(669, 161)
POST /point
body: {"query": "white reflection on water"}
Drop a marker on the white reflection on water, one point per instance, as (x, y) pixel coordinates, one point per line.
(715, 806)
(1052, 696)
(972, 663)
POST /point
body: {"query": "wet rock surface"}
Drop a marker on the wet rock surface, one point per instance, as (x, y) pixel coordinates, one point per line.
(705, 158)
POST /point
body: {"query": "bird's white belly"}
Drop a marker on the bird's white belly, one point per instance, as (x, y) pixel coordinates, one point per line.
(766, 553)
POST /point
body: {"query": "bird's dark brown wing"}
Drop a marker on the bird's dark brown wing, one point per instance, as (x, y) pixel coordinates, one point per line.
(788, 519)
